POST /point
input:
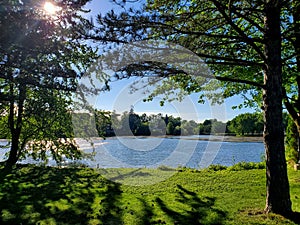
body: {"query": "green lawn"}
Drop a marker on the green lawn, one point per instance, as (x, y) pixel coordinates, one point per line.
(43, 195)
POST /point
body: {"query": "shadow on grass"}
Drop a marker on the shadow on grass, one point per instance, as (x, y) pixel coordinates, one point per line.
(147, 213)
(134, 173)
(194, 210)
(31, 195)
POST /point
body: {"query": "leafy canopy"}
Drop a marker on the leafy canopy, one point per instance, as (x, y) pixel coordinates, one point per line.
(41, 57)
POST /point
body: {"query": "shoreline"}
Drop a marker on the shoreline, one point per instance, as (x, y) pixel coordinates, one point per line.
(217, 138)
(233, 139)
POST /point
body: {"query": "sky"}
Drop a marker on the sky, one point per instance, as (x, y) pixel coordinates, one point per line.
(120, 98)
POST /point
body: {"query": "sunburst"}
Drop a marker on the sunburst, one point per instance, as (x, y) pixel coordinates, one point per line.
(51, 8)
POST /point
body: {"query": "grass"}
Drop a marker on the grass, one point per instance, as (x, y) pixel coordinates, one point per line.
(45, 195)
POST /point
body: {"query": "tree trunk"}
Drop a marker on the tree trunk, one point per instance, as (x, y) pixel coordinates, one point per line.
(15, 125)
(13, 153)
(278, 195)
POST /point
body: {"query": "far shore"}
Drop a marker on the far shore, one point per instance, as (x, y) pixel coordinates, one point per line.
(205, 138)
(233, 138)
(195, 137)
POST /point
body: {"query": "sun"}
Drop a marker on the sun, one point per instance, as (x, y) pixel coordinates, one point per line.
(50, 8)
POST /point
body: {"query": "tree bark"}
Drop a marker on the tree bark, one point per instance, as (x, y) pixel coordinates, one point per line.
(15, 125)
(278, 195)
(13, 153)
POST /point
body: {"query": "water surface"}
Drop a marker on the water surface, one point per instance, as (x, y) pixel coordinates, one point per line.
(150, 152)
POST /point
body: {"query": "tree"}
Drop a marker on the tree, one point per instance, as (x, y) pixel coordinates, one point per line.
(143, 129)
(41, 57)
(188, 127)
(103, 120)
(242, 42)
(206, 126)
(292, 142)
(218, 127)
(247, 123)
(157, 125)
(177, 130)
(292, 87)
(124, 128)
(173, 126)
(134, 121)
(212, 126)
(170, 129)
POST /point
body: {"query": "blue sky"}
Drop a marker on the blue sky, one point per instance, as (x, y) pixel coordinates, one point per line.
(120, 99)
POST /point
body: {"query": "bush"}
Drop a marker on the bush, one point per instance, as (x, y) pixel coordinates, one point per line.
(247, 166)
(291, 142)
(217, 167)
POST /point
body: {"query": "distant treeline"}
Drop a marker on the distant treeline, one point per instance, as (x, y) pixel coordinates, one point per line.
(107, 124)
(130, 123)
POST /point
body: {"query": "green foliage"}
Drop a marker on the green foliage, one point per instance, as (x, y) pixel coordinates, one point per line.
(218, 127)
(173, 126)
(189, 127)
(238, 166)
(252, 48)
(291, 141)
(157, 124)
(247, 166)
(103, 122)
(217, 167)
(108, 124)
(212, 126)
(47, 127)
(203, 130)
(4, 127)
(229, 37)
(85, 125)
(194, 26)
(247, 123)
(48, 195)
(41, 59)
(170, 128)
(143, 129)
(134, 123)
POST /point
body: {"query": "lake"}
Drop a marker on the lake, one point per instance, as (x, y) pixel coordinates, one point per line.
(152, 152)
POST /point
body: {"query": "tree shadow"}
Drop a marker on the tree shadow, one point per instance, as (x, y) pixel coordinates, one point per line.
(147, 213)
(125, 175)
(58, 196)
(295, 217)
(194, 210)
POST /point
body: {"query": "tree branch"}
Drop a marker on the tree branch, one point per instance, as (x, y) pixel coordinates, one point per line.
(139, 69)
(235, 80)
(247, 18)
(226, 59)
(237, 29)
(289, 106)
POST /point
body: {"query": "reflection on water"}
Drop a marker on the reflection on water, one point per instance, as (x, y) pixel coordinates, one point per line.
(171, 152)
